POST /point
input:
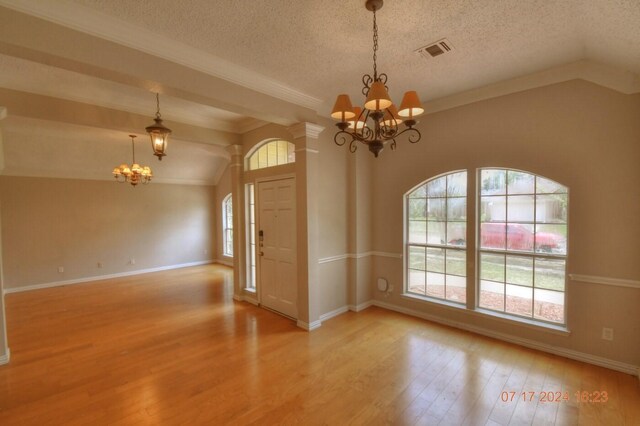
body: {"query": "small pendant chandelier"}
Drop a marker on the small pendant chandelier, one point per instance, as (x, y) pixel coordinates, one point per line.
(379, 121)
(159, 133)
(135, 173)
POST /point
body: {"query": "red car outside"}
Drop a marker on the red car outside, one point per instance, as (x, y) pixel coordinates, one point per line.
(520, 237)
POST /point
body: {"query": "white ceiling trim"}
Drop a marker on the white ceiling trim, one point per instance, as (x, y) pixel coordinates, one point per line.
(101, 25)
(191, 118)
(613, 78)
(106, 177)
(249, 125)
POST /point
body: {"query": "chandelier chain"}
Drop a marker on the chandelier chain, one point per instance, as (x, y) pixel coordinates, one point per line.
(375, 46)
(157, 105)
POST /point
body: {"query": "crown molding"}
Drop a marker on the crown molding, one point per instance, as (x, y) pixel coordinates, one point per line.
(304, 129)
(622, 81)
(249, 124)
(92, 22)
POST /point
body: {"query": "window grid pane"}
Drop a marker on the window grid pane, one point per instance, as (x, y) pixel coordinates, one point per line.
(436, 238)
(522, 238)
(251, 270)
(273, 153)
(227, 226)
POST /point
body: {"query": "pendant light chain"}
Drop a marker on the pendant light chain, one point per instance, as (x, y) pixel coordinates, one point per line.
(134, 173)
(133, 149)
(375, 46)
(158, 105)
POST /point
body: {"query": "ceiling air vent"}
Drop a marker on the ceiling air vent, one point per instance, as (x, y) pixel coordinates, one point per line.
(435, 49)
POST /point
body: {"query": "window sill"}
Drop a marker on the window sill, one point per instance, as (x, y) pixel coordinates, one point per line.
(250, 290)
(532, 324)
(230, 256)
(484, 313)
(439, 302)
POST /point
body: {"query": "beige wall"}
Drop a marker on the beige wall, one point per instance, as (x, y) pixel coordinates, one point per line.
(577, 133)
(333, 210)
(48, 223)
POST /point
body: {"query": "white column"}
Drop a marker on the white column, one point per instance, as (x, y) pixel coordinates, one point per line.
(4, 347)
(237, 195)
(305, 138)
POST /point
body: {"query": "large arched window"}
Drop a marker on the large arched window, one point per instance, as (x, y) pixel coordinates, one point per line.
(436, 235)
(227, 226)
(522, 240)
(272, 153)
(521, 244)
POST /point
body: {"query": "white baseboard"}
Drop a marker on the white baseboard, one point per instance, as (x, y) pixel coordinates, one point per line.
(4, 359)
(246, 298)
(224, 262)
(346, 308)
(251, 300)
(555, 350)
(334, 313)
(307, 326)
(103, 277)
(361, 307)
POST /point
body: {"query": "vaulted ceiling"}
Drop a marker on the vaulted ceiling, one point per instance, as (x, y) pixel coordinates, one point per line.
(88, 68)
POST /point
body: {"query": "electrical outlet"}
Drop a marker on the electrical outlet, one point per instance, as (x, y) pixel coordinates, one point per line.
(99, 264)
(607, 333)
(60, 269)
(132, 261)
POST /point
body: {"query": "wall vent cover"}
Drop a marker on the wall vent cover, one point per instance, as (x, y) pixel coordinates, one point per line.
(438, 48)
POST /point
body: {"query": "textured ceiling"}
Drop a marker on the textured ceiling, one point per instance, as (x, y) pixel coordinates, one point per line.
(227, 66)
(323, 47)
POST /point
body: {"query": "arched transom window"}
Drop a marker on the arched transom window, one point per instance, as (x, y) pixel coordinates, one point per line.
(272, 153)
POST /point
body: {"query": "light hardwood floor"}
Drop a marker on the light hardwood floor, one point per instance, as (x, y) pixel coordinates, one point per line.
(174, 348)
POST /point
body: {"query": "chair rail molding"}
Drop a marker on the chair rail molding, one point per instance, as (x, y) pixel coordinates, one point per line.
(616, 282)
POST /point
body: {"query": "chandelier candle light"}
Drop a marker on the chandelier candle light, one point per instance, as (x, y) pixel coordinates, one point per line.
(378, 122)
(135, 173)
(159, 133)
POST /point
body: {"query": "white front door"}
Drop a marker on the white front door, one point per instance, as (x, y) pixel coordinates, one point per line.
(277, 245)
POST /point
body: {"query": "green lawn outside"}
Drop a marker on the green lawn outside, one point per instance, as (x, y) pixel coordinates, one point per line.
(549, 273)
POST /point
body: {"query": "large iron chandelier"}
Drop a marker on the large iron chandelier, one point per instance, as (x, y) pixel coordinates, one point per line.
(159, 133)
(135, 173)
(379, 121)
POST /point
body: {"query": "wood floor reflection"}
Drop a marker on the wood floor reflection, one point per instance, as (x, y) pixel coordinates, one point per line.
(174, 348)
